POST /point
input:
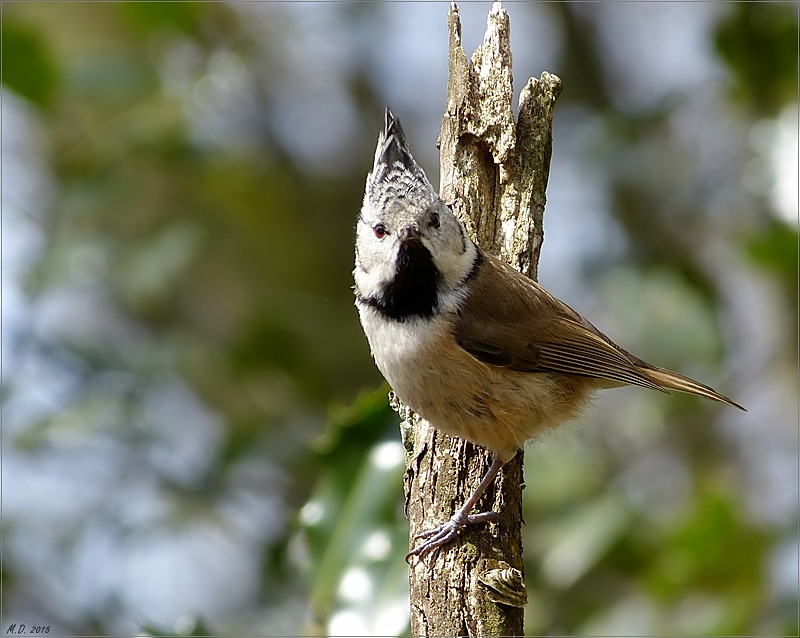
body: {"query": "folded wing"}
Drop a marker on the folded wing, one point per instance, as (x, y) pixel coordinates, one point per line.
(527, 329)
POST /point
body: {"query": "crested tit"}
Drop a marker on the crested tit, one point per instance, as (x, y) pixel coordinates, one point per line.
(476, 348)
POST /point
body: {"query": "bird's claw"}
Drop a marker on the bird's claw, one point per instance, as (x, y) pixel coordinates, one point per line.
(446, 533)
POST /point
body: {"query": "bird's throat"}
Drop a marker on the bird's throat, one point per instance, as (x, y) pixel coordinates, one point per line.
(413, 290)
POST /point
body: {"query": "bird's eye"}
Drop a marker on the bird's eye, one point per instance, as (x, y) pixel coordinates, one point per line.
(380, 231)
(434, 221)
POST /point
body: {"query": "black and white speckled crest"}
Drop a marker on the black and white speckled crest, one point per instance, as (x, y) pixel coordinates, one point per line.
(395, 175)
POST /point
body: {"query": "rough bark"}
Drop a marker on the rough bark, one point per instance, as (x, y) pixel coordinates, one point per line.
(494, 174)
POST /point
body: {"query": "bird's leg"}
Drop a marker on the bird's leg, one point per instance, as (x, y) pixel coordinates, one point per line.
(447, 532)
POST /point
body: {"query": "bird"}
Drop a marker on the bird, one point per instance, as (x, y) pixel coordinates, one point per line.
(479, 350)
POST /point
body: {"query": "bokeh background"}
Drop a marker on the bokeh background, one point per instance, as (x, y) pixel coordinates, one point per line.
(194, 437)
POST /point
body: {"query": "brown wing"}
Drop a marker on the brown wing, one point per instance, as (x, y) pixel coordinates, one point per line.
(510, 321)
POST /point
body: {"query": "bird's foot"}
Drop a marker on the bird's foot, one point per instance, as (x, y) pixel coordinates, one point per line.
(446, 533)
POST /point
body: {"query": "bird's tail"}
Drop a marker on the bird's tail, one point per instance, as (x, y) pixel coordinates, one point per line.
(669, 380)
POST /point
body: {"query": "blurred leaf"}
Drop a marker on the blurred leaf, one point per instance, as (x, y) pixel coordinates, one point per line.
(758, 41)
(717, 552)
(777, 249)
(352, 520)
(28, 67)
(355, 428)
(581, 539)
(151, 15)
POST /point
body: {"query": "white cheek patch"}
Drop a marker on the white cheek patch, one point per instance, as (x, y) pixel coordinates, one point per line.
(453, 264)
(453, 267)
(374, 270)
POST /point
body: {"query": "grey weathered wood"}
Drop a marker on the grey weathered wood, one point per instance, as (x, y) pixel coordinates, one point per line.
(494, 174)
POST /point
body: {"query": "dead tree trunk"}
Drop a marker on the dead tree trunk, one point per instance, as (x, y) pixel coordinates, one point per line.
(494, 174)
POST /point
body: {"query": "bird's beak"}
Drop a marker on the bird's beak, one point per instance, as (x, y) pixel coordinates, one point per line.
(410, 233)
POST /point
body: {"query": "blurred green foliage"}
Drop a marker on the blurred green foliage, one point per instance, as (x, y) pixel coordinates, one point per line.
(776, 249)
(182, 359)
(759, 43)
(33, 75)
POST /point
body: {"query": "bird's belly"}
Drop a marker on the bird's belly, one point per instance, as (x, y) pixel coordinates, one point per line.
(495, 407)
